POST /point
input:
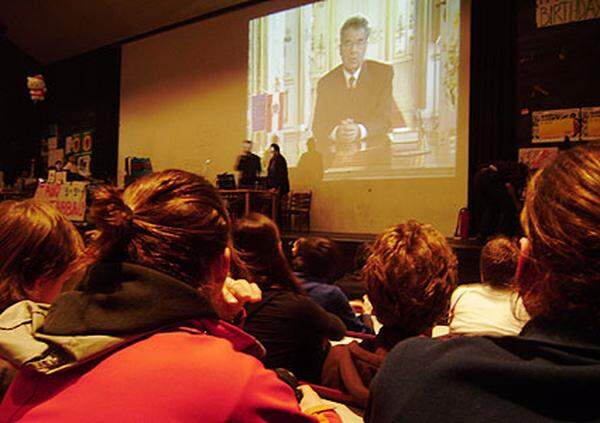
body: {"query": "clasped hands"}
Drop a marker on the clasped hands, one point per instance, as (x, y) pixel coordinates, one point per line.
(348, 131)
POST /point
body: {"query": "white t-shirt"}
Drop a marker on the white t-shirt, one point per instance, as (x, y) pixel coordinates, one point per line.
(479, 309)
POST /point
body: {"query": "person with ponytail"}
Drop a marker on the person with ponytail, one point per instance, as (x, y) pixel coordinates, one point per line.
(143, 338)
(551, 370)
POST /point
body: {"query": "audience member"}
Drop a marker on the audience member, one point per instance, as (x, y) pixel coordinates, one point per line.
(38, 249)
(352, 283)
(293, 329)
(409, 275)
(551, 371)
(315, 261)
(491, 307)
(496, 197)
(140, 339)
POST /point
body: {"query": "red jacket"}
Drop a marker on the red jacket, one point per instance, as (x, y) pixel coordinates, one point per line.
(187, 374)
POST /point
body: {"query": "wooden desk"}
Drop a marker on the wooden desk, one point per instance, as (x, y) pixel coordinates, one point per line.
(247, 195)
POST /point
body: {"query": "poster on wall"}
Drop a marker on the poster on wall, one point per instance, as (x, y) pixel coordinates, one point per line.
(537, 158)
(84, 165)
(555, 125)
(55, 155)
(68, 145)
(87, 142)
(67, 197)
(590, 123)
(559, 12)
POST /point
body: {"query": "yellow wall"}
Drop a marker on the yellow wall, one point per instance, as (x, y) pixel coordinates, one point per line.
(183, 101)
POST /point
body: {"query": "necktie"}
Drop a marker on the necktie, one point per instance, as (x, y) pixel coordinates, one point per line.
(351, 82)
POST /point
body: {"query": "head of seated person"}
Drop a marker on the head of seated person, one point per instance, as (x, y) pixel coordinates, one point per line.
(147, 314)
(352, 283)
(171, 221)
(498, 263)
(39, 248)
(410, 275)
(559, 272)
(316, 258)
(493, 306)
(258, 244)
(558, 278)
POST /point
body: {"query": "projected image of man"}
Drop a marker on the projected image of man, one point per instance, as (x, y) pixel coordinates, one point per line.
(354, 102)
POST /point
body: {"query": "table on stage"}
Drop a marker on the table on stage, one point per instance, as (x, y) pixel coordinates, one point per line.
(247, 195)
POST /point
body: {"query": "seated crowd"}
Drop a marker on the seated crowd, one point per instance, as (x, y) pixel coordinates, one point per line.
(172, 312)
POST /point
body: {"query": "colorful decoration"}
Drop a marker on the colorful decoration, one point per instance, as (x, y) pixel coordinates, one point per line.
(37, 87)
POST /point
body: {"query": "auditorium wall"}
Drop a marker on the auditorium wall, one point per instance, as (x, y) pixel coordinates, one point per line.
(183, 104)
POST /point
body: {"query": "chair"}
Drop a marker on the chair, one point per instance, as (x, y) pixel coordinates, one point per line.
(298, 205)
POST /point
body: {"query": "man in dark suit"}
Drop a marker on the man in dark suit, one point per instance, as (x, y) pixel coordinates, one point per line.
(277, 177)
(248, 164)
(354, 104)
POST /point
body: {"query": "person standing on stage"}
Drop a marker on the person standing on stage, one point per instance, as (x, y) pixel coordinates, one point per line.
(248, 165)
(277, 177)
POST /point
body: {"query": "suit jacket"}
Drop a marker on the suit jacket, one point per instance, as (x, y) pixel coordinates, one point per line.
(369, 103)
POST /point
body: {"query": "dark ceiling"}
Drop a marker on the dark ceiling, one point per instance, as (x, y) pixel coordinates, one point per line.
(51, 30)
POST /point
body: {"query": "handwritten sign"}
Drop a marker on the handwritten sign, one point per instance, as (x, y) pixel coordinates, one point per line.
(555, 125)
(537, 158)
(68, 198)
(558, 12)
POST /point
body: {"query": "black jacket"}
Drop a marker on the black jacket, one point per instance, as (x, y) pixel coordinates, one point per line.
(249, 167)
(549, 372)
(294, 330)
(278, 174)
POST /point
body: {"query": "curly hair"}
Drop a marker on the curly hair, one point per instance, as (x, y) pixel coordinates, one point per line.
(410, 276)
(561, 220)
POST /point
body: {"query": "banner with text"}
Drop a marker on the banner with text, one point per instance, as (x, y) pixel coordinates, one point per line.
(559, 12)
(68, 198)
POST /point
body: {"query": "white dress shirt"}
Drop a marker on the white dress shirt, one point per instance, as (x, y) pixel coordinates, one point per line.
(361, 127)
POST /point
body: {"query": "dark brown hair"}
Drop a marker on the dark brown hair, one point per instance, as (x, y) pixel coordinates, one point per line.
(317, 257)
(172, 221)
(561, 219)
(258, 244)
(36, 241)
(410, 276)
(498, 262)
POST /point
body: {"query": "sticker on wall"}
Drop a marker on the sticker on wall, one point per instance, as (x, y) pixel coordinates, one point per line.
(590, 123)
(76, 144)
(84, 165)
(555, 125)
(56, 155)
(68, 145)
(87, 142)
